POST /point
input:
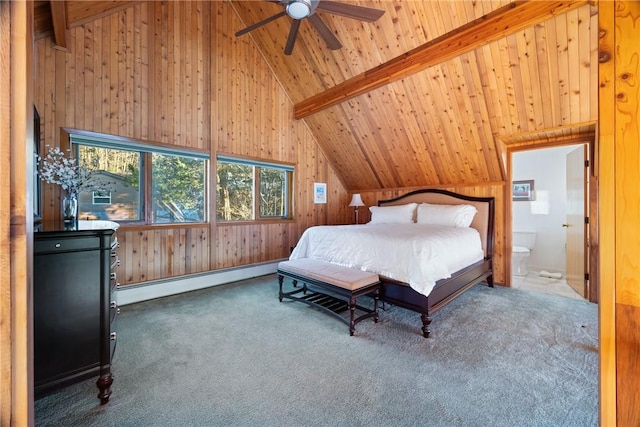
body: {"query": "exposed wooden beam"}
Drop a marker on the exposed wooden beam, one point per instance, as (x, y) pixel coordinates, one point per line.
(491, 27)
(82, 12)
(59, 21)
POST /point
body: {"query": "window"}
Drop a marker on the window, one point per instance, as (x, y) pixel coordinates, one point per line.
(178, 188)
(101, 197)
(138, 182)
(250, 190)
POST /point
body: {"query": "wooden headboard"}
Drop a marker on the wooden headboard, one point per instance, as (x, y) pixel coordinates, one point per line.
(483, 220)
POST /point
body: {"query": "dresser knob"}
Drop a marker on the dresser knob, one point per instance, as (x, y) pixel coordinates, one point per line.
(112, 336)
(118, 310)
(114, 304)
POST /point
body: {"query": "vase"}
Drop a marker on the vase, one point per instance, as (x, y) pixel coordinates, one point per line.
(70, 207)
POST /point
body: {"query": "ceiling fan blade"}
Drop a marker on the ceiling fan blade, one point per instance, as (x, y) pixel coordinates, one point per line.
(325, 32)
(291, 40)
(261, 23)
(362, 13)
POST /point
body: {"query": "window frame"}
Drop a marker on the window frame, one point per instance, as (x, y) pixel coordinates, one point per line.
(257, 164)
(75, 137)
(93, 197)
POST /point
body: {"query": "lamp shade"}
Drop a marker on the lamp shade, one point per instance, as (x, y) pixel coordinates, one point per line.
(356, 200)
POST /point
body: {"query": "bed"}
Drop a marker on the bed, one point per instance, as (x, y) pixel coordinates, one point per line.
(416, 274)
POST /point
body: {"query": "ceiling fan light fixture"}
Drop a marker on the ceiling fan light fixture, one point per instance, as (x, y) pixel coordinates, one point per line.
(299, 9)
(306, 9)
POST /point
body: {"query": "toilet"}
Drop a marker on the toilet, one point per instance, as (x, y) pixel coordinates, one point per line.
(523, 242)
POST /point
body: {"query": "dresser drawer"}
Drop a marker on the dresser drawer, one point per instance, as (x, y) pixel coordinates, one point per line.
(66, 245)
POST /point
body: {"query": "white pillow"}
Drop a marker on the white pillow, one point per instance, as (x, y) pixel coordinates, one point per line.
(450, 215)
(401, 214)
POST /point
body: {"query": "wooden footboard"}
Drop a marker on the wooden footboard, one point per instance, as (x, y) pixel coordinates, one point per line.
(446, 290)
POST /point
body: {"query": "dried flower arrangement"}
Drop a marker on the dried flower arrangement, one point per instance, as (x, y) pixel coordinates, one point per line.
(56, 168)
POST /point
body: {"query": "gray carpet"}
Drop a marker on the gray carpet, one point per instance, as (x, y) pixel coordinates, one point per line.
(233, 355)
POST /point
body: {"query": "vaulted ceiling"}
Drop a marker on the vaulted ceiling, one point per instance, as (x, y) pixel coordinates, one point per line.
(433, 91)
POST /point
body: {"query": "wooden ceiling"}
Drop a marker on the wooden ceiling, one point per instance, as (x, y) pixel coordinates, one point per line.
(450, 92)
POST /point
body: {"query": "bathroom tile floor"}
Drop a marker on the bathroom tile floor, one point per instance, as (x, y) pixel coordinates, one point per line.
(546, 285)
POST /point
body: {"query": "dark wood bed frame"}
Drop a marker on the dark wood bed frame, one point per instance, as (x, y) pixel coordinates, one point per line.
(445, 290)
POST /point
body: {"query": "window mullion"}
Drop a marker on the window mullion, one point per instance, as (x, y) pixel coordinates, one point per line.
(256, 192)
(147, 168)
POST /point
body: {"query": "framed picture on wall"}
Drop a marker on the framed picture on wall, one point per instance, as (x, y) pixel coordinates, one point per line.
(319, 192)
(523, 190)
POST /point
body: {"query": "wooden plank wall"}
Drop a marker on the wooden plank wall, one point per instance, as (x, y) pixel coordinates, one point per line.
(619, 137)
(172, 72)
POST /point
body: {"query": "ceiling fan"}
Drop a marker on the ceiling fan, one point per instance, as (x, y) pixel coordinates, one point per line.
(306, 9)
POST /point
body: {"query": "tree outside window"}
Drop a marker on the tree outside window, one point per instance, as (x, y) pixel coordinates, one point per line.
(252, 190)
(177, 189)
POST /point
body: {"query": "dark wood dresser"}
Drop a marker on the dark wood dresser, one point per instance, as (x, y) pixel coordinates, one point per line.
(75, 305)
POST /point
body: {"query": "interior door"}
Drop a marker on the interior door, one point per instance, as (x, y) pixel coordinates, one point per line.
(576, 226)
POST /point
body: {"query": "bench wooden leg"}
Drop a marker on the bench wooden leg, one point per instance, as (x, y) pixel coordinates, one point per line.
(352, 311)
(376, 297)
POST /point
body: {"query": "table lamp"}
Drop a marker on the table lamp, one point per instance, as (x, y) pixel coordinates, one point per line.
(356, 202)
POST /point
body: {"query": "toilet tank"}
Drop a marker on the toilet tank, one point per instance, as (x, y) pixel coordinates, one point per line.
(524, 238)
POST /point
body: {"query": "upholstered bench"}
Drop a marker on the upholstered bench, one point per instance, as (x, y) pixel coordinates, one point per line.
(328, 286)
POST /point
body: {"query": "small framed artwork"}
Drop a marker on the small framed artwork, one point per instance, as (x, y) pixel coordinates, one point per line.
(523, 190)
(319, 192)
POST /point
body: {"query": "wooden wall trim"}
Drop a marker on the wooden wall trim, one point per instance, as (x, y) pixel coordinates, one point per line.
(619, 134)
(585, 138)
(627, 209)
(6, 348)
(627, 356)
(495, 25)
(577, 129)
(606, 167)
(16, 214)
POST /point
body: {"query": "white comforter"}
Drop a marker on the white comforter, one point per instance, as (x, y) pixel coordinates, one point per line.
(417, 254)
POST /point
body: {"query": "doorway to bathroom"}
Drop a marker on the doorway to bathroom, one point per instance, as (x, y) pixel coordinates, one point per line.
(550, 194)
